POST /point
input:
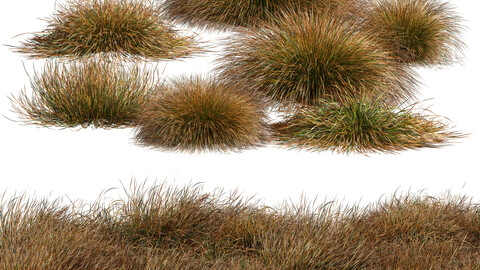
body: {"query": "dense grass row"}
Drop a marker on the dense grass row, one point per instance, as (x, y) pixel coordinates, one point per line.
(338, 71)
(164, 227)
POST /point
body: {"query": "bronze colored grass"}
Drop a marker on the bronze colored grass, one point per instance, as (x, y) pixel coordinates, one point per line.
(97, 92)
(304, 57)
(164, 227)
(201, 114)
(419, 32)
(361, 127)
(126, 27)
(235, 14)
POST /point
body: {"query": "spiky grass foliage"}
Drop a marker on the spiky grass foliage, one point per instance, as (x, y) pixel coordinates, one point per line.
(126, 27)
(166, 227)
(235, 14)
(201, 114)
(304, 57)
(362, 127)
(97, 92)
(420, 32)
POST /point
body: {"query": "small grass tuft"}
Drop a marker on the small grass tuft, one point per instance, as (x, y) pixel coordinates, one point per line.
(201, 114)
(361, 127)
(97, 92)
(304, 57)
(419, 32)
(126, 27)
(235, 14)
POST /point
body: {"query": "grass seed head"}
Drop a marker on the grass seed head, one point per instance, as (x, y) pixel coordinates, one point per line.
(125, 27)
(362, 127)
(234, 14)
(420, 32)
(305, 57)
(97, 92)
(194, 114)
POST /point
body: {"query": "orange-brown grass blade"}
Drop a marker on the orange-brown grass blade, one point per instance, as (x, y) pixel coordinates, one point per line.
(303, 57)
(361, 127)
(98, 92)
(201, 114)
(235, 14)
(419, 32)
(127, 27)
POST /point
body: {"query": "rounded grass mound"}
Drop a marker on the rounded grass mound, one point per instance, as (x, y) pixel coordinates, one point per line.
(421, 32)
(361, 127)
(234, 14)
(126, 27)
(97, 92)
(196, 114)
(304, 57)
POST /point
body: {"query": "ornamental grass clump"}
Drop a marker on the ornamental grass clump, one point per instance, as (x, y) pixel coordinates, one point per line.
(235, 14)
(98, 92)
(303, 57)
(419, 32)
(195, 114)
(361, 126)
(126, 27)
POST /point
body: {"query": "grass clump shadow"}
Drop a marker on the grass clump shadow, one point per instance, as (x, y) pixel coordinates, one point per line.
(362, 126)
(127, 27)
(418, 32)
(302, 57)
(166, 227)
(201, 114)
(97, 92)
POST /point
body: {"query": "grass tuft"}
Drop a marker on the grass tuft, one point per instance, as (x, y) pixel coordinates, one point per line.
(235, 14)
(361, 127)
(304, 57)
(201, 114)
(419, 32)
(165, 227)
(126, 27)
(97, 92)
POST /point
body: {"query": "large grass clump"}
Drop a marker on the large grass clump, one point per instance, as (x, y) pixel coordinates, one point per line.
(98, 92)
(361, 126)
(304, 57)
(420, 32)
(235, 14)
(196, 113)
(165, 227)
(126, 27)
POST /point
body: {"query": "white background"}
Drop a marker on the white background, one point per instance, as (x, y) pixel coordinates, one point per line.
(82, 163)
